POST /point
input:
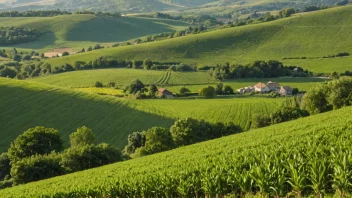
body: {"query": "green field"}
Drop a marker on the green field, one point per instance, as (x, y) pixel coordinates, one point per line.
(213, 158)
(315, 34)
(171, 80)
(24, 105)
(111, 118)
(239, 110)
(78, 31)
(123, 77)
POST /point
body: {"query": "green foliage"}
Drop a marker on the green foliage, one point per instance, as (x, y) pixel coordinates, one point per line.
(4, 166)
(98, 84)
(135, 141)
(286, 158)
(89, 156)
(208, 92)
(147, 64)
(134, 87)
(65, 54)
(333, 95)
(35, 141)
(36, 167)
(184, 91)
(228, 90)
(157, 140)
(83, 136)
(153, 89)
(15, 35)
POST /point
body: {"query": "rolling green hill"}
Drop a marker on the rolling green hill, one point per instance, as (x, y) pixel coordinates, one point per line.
(216, 160)
(311, 35)
(77, 31)
(26, 104)
(123, 77)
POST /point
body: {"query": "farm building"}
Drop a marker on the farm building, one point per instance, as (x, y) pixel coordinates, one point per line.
(163, 92)
(261, 88)
(286, 91)
(273, 86)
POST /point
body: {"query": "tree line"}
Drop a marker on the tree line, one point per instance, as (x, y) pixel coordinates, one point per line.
(184, 132)
(39, 153)
(51, 13)
(257, 69)
(15, 35)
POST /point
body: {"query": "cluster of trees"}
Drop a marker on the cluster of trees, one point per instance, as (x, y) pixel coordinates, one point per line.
(257, 69)
(33, 13)
(184, 132)
(107, 14)
(289, 110)
(324, 97)
(328, 96)
(205, 20)
(15, 35)
(39, 154)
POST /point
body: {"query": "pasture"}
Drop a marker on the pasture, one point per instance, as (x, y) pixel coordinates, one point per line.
(315, 34)
(296, 143)
(82, 31)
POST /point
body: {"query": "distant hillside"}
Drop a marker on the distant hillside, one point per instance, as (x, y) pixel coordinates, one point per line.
(111, 118)
(306, 38)
(79, 31)
(215, 162)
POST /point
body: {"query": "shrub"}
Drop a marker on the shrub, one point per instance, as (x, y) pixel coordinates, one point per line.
(90, 156)
(38, 140)
(4, 166)
(208, 92)
(65, 54)
(36, 168)
(99, 84)
(83, 136)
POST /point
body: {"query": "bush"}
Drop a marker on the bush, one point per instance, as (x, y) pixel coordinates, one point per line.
(36, 168)
(38, 140)
(4, 166)
(184, 91)
(228, 90)
(157, 140)
(83, 136)
(208, 92)
(98, 84)
(89, 156)
(65, 54)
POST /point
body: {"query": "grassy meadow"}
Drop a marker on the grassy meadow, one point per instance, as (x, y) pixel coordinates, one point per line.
(111, 118)
(171, 80)
(304, 134)
(78, 31)
(25, 105)
(123, 77)
(315, 34)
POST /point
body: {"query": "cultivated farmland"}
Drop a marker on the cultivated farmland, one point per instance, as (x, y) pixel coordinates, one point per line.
(317, 145)
(111, 118)
(308, 36)
(124, 77)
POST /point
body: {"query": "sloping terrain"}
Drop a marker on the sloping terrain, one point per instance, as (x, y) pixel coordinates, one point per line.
(77, 31)
(28, 104)
(25, 105)
(165, 171)
(309, 35)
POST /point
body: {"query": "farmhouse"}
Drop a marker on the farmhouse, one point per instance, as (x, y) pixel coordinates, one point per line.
(273, 86)
(262, 88)
(163, 92)
(286, 91)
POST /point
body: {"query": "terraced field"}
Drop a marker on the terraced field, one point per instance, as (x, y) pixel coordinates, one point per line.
(315, 34)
